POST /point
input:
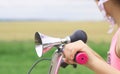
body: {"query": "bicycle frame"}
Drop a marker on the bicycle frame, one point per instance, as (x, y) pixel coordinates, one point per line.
(55, 62)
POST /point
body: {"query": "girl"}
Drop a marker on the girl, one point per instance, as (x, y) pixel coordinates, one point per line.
(111, 10)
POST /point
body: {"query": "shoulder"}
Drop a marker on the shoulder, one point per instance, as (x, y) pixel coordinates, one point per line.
(118, 45)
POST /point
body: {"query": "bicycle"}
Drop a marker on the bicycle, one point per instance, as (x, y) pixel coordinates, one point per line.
(44, 43)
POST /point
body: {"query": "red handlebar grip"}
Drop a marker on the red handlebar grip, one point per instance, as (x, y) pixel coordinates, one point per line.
(81, 58)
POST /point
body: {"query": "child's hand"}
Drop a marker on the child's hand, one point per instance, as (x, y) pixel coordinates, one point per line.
(72, 48)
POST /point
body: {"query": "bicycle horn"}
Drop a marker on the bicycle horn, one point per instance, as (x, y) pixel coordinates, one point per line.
(43, 43)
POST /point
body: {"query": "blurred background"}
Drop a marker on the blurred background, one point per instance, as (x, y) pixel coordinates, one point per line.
(20, 19)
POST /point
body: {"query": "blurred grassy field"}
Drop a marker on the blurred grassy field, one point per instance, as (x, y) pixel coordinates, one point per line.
(16, 57)
(17, 52)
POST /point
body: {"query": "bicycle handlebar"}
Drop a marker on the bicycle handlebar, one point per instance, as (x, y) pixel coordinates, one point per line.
(81, 58)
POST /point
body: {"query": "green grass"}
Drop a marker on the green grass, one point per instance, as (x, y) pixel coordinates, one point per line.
(16, 57)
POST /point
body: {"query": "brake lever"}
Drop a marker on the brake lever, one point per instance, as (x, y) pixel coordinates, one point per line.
(64, 64)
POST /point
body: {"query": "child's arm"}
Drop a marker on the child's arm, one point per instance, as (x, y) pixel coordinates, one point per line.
(95, 62)
(101, 67)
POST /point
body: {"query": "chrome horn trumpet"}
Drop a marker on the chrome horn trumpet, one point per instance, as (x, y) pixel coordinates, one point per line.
(43, 43)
